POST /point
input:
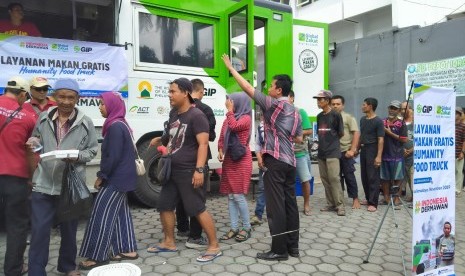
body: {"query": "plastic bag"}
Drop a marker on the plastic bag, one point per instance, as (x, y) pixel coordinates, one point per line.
(75, 199)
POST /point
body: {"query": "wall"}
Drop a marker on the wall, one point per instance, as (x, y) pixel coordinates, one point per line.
(374, 66)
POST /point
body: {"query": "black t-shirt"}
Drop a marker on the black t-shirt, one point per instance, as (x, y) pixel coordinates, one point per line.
(211, 121)
(370, 130)
(393, 150)
(330, 129)
(184, 149)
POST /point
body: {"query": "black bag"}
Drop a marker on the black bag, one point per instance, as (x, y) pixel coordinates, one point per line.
(164, 169)
(164, 163)
(75, 199)
(235, 149)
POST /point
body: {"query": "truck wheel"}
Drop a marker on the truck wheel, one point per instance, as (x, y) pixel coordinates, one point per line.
(148, 187)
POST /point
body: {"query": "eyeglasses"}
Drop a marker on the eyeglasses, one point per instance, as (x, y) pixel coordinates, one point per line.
(43, 89)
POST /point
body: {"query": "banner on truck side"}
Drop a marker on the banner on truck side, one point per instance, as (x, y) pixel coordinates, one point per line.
(441, 73)
(97, 67)
(310, 64)
(433, 245)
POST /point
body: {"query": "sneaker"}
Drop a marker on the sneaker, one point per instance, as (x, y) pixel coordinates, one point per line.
(183, 234)
(255, 220)
(199, 243)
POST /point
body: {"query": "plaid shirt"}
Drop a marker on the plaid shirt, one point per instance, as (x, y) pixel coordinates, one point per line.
(282, 124)
(62, 130)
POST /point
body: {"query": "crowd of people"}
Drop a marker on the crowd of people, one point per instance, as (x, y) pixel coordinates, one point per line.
(384, 145)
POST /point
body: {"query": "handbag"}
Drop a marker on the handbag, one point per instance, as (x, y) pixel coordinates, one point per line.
(140, 166)
(164, 164)
(235, 149)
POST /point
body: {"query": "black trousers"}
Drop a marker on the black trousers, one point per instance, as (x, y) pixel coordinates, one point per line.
(348, 175)
(281, 204)
(184, 223)
(369, 173)
(14, 193)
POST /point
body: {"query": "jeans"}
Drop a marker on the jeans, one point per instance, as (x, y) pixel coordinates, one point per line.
(238, 206)
(260, 206)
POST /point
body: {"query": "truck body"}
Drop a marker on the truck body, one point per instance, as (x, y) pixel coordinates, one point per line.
(161, 40)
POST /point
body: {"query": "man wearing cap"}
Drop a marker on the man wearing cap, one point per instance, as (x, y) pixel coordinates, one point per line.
(16, 126)
(187, 141)
(39, 101)
(63, 127)
(330, 129)
(459, 150)
(392, 164)
(16, 26)
(283, 126)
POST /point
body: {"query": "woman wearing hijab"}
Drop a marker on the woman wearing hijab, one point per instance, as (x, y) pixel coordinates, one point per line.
(110, 231)
(235, 179)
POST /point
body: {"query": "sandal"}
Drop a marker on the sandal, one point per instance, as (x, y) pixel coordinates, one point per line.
(243, 235)
(231, 234)
(123, 256)
(84, 265)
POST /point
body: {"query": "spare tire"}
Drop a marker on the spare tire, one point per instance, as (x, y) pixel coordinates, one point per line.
(148, 187)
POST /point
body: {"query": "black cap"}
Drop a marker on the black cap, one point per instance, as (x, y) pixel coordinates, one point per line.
(186, 86)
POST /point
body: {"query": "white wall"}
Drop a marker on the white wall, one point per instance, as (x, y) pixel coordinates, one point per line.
(423, 12)
(352, 19)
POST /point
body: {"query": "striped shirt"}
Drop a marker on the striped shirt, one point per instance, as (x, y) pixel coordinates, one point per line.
(282, 123)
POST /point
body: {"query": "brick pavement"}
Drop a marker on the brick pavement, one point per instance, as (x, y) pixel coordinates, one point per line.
(330, 245)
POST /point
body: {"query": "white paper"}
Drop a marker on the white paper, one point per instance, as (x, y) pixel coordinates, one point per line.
(59, 154)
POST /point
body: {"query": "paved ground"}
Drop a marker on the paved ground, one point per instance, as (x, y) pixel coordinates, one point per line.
(330, 245)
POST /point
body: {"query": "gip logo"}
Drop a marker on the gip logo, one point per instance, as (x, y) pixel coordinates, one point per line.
(144, 89)
(424, 109)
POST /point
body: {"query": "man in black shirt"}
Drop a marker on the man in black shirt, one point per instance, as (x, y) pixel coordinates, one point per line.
(195, 239)
(330, 130)
(371, 145)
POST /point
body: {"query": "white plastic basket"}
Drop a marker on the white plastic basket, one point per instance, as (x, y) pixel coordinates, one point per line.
(116, 269)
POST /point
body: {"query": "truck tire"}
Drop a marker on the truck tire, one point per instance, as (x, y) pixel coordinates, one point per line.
(148, 187)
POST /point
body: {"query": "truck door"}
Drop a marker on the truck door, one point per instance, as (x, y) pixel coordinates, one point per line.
(240, 42)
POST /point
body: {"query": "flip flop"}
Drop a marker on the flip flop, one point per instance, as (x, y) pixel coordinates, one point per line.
(122, 256)
(158, 249)
(208, 257)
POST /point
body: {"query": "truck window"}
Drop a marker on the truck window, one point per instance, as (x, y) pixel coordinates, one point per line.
(238, 38)
(175, 41)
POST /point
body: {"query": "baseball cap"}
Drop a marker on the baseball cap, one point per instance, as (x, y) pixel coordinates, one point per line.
(18, 83)
(39, 82)
(324, 94)
(395, 103)
(459, 109)
(69, 84)
(185, 85)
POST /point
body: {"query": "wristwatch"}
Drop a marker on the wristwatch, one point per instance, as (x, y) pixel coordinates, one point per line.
(200, 169)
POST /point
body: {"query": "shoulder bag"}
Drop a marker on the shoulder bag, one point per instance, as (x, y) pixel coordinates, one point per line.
(164, 163)
(140, 167)
(12, 115)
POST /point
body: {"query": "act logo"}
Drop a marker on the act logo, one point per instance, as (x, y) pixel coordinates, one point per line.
(144, 88)
(442, 110)
(139, 109)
